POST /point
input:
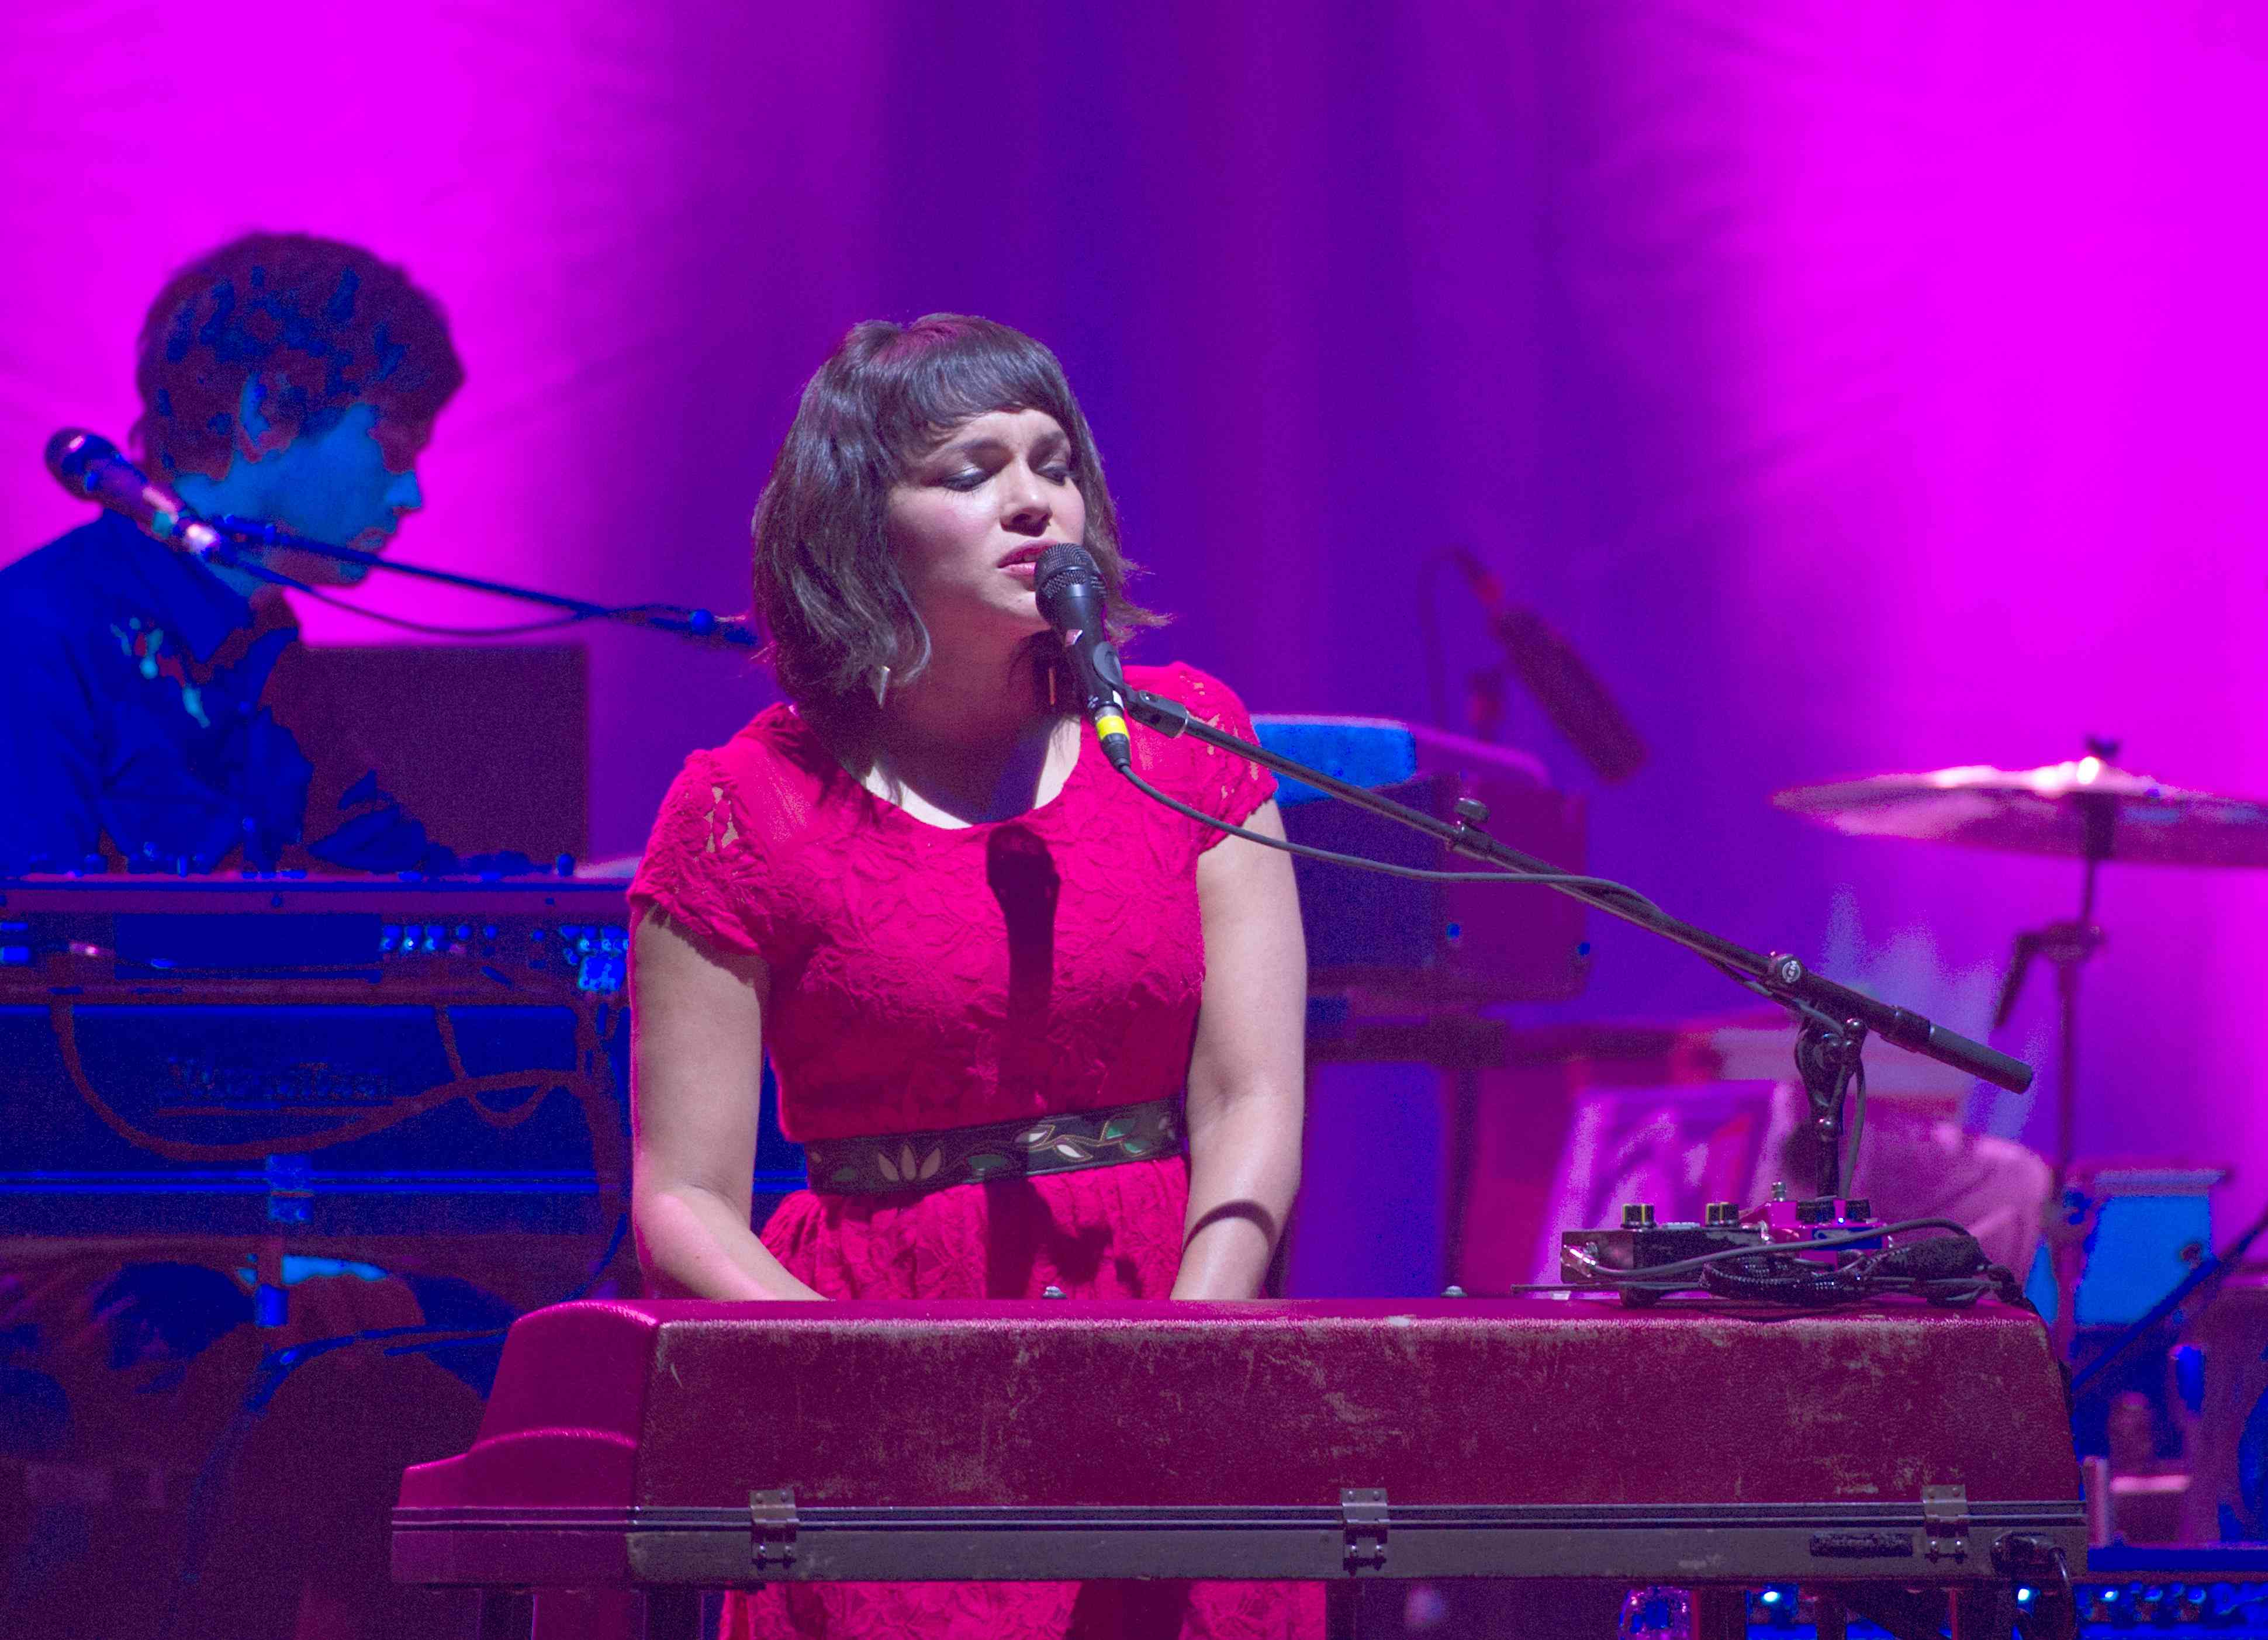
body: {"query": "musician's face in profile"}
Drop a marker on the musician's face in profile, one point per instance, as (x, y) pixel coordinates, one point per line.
(969, 520)
(338, 486)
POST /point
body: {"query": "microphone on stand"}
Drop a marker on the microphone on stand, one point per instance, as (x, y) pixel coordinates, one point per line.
(1070, 593)
(90, 467)
(1569, 692)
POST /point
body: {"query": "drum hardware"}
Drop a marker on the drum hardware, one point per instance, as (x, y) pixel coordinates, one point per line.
(2089, 809)
(2046, 812)
(1834, 1018)
(2069, 1222)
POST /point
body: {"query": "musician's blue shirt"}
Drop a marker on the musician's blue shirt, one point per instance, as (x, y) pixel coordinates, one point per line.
(130, 723)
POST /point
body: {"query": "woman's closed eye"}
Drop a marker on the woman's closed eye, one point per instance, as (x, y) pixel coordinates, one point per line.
(975, 478)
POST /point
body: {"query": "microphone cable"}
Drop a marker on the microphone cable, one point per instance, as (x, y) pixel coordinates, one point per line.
(1604, 887)
(277, 577)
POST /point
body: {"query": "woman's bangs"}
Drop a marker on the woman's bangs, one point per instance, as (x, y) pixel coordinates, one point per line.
(953, 383)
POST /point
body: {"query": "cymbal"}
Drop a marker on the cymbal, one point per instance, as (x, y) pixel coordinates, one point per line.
(2077, 810)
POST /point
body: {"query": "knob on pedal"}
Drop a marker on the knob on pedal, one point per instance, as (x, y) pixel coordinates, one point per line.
(1637, 1216)
(1721, 1215)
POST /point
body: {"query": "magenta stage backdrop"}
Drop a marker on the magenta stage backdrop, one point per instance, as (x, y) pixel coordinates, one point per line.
(1861, 387)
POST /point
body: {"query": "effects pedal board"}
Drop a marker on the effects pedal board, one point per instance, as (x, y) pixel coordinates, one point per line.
(1646, 1259)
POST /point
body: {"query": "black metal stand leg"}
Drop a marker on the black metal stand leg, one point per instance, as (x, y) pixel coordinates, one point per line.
(1833, 1622)
(1464, 1123)
(596, 1614)
(1985, 1611)
(672, 1614)
(1720, 1614)
(1908, 1613)
(2038, 1565)
(2053, 1615)
(506, 1615)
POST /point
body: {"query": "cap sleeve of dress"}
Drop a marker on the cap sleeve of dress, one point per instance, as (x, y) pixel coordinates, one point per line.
(1228, 787)
(702, 867)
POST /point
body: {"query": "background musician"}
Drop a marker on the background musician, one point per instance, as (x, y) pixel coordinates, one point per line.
(987, 970)
(295, 380)
(283, 377)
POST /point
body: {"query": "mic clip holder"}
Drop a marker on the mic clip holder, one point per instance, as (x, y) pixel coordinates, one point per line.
(1827, 1058)
(1832, 1020)
(701, 625)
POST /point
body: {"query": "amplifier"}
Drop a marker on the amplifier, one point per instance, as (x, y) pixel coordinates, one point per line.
(261, 1057)
(1401, 941)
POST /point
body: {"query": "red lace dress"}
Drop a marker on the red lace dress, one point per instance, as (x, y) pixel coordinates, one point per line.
(925, 977)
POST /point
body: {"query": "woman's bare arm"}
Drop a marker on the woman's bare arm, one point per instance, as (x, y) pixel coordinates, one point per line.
(696, 1051)
(1247, 1090)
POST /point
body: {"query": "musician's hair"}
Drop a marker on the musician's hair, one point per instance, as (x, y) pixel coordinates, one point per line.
(318, 325)
(826, 585)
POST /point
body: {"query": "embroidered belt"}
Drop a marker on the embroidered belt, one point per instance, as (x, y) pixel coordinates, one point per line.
(892, 1163)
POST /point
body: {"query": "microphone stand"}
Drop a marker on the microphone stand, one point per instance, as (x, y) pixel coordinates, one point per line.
(700, 625)
(1832, 1020)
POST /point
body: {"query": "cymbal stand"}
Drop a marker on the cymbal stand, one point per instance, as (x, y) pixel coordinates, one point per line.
(2069, 945)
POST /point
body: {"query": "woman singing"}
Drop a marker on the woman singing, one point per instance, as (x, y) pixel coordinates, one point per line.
(1034, 1030)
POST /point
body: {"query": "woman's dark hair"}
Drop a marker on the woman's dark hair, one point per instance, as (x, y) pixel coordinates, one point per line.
(826, 586)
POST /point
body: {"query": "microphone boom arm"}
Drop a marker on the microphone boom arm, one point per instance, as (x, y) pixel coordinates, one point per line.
(91, 467)
(1812, 997)
(699, 624)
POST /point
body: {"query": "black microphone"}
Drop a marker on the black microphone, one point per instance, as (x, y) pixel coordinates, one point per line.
(1070, 593)
(1569, 692)
(90, 465)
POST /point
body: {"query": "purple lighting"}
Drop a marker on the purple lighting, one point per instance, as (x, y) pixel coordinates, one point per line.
(1857, 388)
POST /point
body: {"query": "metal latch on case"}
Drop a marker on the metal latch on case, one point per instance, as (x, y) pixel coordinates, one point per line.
(1944, 1522)
(771, 1529)
(1362, 1523)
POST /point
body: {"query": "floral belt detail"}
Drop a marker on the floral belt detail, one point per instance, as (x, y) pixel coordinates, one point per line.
(891, 1163)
